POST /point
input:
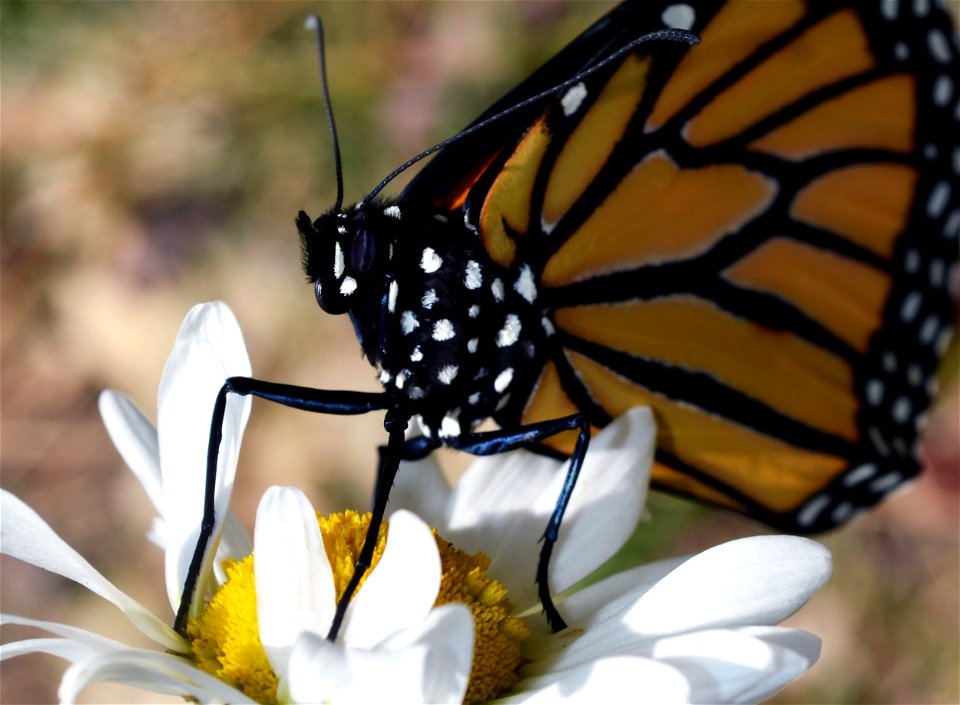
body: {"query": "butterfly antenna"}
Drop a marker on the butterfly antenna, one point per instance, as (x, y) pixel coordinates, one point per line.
(670, 35)
(313, 23)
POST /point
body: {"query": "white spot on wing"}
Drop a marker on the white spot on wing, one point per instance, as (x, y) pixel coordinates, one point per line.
(942, 90)
(929, 329)
(679, 16)
(910, 306)
(902, 408)
(939, 46)
(392, 212)
(472, 345)
(886, 482)
(430, 261)
(874, 391)
(812, 510)
(937, 201)
(474, 311)
(573, 98)
(416, 354)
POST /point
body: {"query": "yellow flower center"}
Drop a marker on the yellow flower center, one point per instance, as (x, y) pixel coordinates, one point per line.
(226, 639)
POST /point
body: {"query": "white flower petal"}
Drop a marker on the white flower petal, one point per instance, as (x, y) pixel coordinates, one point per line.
(323, 672)
(422, 488)
(581, 607)
(728, 666)
(27, 537)
(502, 505)
(804, 643)
(750, 581)
(447, 633)
(612, 679)
(90, 641)
(66, 649)
(208, 349)
(147, 670)
(758, 580)
(428, 665)
(400, 591)
(135, 439)
(294, 581)
(608, 500)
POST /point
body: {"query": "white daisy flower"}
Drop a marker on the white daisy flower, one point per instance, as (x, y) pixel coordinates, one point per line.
(692, 629)
(419, 653)
(393, 646)
(687, 630)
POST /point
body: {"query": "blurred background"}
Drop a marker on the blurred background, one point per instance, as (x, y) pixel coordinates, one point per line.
(154, 155)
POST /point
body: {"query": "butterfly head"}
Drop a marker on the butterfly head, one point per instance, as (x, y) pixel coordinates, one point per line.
(345, 256)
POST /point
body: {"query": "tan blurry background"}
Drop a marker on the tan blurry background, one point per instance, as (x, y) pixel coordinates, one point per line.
(154, 155)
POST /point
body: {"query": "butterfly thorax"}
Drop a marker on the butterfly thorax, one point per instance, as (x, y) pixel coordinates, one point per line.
(448, 329)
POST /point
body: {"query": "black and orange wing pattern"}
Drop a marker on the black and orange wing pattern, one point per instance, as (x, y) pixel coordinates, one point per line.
(754, 236)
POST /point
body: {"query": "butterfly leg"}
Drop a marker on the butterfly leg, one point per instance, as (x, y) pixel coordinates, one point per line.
(304, 398)
(491, 442)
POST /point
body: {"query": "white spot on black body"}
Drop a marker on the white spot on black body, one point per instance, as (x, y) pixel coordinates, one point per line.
(503, 380)
(430, 261)
(392, 296)
(510, 332)
(447, 374)
(348, 286)
(429, 298)
(496, 288)
(392, 212)
(525, 285)
(472, 276)
(337, 260)
(443, 330)
(408, 322)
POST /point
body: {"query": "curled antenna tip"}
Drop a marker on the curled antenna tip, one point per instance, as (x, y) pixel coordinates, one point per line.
(311, 23)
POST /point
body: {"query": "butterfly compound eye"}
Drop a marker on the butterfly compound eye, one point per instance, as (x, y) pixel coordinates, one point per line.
(363, 251)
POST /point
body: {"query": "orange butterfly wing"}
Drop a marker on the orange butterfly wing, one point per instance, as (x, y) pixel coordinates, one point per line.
(752, 236)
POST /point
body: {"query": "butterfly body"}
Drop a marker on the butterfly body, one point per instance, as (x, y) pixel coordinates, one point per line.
(447, 328)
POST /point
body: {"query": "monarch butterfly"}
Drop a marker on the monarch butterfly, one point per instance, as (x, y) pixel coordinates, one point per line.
(754, 235)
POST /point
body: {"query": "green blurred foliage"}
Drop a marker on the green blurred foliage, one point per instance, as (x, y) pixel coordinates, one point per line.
(154, 155)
